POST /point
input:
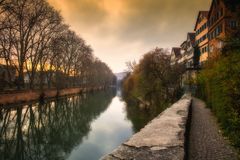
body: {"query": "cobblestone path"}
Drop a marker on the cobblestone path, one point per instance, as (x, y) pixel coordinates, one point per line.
(205, 141)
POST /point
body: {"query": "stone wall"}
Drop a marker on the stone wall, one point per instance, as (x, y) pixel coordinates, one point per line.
(29, 95)
(163, 138)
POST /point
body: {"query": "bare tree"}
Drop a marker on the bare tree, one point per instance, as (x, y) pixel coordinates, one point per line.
(38, 45)
(131, 66)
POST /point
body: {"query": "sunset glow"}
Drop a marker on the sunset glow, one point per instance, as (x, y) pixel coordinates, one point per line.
(123, 30)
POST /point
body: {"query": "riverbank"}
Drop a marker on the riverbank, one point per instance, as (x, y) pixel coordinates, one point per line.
(163, 138)
(33, 95)
(186, 130)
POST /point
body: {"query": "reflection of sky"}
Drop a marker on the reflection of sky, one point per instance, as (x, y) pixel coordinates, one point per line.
(107, 132)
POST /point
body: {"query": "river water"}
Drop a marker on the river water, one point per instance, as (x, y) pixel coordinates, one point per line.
(79, 127)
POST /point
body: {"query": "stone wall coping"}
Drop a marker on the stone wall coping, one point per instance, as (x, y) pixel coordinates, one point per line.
(162, 138)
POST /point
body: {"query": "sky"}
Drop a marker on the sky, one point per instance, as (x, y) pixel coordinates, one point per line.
(120, 31)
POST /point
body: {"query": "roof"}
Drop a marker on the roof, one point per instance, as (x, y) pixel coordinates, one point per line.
(210, 10)
(176, 51)
(191, 36)
(204, 14)
(230, 4)
(227, 3)
(183, 43)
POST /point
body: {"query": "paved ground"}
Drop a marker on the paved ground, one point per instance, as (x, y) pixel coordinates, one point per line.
(206, 143)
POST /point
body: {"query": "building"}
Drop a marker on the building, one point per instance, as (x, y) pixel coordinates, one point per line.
(188, 58)
(7, 76)
(201, 36)
(175, 55)
(211, 32)
(223, 22)
(188, 51)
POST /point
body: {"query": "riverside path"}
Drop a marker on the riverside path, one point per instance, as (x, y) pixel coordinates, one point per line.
(205, 140)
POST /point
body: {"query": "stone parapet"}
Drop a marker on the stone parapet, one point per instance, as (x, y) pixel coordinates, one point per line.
(163, 138)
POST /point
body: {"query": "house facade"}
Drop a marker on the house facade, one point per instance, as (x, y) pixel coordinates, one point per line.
(211, 32)
(223, 22)
(185, 54)
(201, 36)
(188, 50)
(188, 59)
(175, 55)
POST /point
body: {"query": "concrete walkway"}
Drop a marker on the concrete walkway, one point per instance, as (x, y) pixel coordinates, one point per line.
(206, 142)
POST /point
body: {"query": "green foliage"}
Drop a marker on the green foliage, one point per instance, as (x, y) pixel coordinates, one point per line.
(219, 85)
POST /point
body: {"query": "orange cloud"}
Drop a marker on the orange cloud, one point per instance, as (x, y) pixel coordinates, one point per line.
(123, 30)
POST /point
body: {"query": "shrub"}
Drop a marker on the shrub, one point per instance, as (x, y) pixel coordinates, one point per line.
(219, 85)
(153, 80)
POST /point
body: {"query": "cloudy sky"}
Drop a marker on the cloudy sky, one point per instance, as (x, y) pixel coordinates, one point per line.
(123, 30)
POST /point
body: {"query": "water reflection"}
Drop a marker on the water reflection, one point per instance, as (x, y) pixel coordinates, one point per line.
(81, 127)
(49, 130)
(141, 116)
(108, 131)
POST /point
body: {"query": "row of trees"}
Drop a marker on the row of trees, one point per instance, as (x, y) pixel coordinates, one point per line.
(153, 80)
(42, 50)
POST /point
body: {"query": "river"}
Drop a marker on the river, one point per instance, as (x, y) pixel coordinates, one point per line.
(79, 127)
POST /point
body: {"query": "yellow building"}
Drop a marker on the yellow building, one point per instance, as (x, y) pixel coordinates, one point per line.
(201, 36)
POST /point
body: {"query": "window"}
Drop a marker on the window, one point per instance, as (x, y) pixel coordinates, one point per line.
(214, 34)
(220, 28)
(204, 37)
(221, 12)
(198, 32)
(217, 16)
(233, 24)
(209, 36)
(217, 31)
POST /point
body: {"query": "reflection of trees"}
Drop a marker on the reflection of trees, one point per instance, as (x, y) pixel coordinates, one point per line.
(49, 130)
(141, 116)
